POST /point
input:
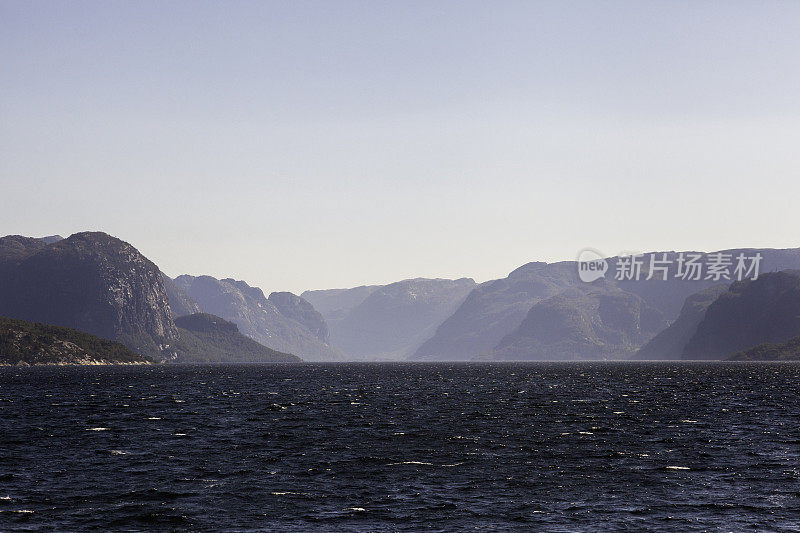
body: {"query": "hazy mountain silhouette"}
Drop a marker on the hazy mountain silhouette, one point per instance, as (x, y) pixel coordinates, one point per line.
(590, 321)
(298, 332)
(334, 304)
(494, 309)
(393, 320)
(179, 301)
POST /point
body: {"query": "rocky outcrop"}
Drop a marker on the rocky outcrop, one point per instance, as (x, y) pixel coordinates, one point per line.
(785, 351)
(591, 321)
(257, 317)
(30, 343)
(91, 282)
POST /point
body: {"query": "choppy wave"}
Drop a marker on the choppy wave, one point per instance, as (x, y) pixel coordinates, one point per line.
(401, 447)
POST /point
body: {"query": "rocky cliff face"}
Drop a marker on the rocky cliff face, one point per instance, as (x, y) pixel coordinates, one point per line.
(591, 321)
(750, 313)
(180, 302)
(91, 282)
(260, 319)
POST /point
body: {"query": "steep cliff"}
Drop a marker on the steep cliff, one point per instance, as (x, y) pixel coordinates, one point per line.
(91, 282)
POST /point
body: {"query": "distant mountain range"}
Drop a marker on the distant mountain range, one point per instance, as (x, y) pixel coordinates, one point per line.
(390, 321)
(487, 325)
(100, 285)
(104, 287)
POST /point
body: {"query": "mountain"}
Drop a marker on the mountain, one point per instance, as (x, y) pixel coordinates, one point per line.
(494, 309)
(393, 320)
(209, 338)
(669, 343)
(258, 318)
(787, 351)
(91, 282)
(592, 321)
(31, 343)
(335, 304)
(753, 312)
(296, 308)
(668, 296)
(180, 302)
(50, 239)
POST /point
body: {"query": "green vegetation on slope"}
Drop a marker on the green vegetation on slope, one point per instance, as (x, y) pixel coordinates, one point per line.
(34, 343)
(770, 351)
(209, 338)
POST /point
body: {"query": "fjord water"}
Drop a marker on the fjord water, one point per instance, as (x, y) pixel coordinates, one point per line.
(439, 447)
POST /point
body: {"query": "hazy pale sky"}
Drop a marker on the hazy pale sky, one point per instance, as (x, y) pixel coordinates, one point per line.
(301, 145)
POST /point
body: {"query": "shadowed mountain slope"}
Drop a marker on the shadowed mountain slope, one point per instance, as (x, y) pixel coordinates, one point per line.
(669, 343)
(766, 310)
(259, 318)
(209, 338)
(89, 281)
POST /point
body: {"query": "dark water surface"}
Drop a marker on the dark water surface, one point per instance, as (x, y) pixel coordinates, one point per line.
(383, 447)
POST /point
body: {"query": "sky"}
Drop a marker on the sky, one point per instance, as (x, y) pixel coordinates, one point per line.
(309, 145)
